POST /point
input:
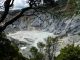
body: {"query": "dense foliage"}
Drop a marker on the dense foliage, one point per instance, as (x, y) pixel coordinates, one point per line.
(43, 51)
(70, 52)
(35, 54)
(9, 51)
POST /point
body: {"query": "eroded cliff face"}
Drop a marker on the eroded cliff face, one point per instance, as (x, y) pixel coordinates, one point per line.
(46, 22)
(32, 28)
(29, 30)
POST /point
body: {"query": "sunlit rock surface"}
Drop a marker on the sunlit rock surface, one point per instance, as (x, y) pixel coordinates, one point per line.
(31, 37)
(26, 39)
(32, 28)
(29, 30)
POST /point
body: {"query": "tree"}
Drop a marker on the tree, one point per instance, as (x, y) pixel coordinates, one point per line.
(69, 52)
(33, 4)
(44, 51)
(35, 54)
(41, 46)
(50, 47)
(33, 50)
(8, 50)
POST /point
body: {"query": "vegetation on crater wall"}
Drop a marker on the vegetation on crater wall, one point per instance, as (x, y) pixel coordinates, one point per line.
(69, 52)
(8, 50)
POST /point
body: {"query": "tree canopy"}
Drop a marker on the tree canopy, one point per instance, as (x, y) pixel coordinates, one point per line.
(70, 52)
(8, 50)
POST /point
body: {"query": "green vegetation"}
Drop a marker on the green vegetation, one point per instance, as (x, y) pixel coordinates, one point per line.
(40, 46)
(69, 52)
(50, 47)
(35, 54)
(78, 7)
(71, 8)
(9, 51)
(44, 50)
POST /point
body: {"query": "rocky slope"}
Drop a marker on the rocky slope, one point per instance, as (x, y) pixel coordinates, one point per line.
(28, 30)
(36, 28)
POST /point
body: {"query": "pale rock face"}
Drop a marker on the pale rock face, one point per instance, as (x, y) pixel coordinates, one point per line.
(28, 31)
(31, 38)
(34, 36)
(37, 28)
(45, 22)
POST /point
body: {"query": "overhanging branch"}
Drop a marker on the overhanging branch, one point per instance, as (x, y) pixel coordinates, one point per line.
(7, 5)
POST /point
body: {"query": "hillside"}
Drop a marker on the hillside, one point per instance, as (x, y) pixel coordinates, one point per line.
(35, 26)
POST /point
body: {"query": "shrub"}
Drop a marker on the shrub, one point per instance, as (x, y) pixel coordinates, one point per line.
(9, 51)
(70, 52)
